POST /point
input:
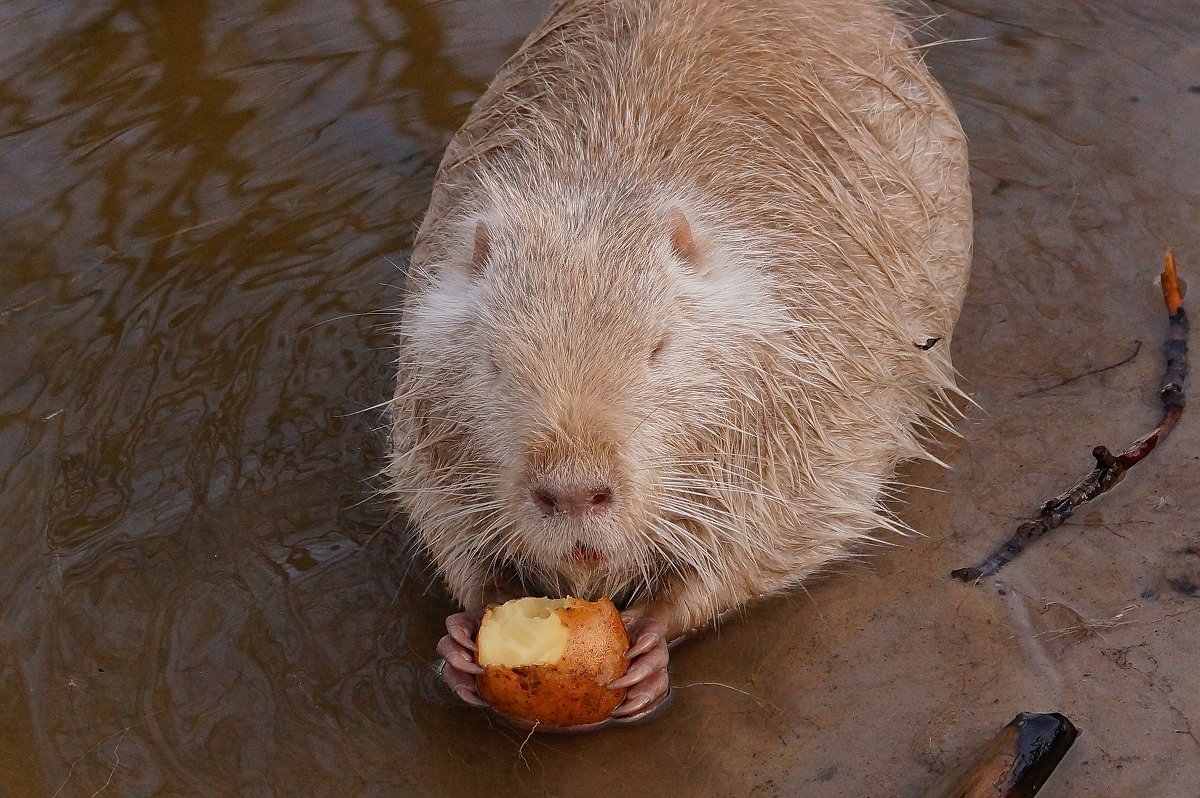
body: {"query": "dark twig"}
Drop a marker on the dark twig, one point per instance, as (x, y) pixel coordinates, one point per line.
(1110, 468)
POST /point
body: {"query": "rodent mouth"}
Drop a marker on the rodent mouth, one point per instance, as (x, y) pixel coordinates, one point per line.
(585, 553)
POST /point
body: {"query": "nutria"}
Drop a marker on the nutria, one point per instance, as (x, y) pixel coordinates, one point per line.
(682, 300)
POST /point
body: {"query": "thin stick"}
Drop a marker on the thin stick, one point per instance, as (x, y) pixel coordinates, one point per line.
(1110, 468)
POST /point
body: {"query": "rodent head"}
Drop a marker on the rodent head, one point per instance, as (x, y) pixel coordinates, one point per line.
(589, 362)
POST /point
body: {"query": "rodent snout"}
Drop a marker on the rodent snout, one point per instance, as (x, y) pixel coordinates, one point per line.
(577, 499)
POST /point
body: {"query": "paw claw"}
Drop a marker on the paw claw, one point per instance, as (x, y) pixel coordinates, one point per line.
(644, 695)
(456, 657)
(462, 637)
(459, 662)
(643, 667)
(468, 696)
(648, 634)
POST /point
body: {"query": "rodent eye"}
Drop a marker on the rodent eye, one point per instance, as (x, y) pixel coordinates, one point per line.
(659, 347)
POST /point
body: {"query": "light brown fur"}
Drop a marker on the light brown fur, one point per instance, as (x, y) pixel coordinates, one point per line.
(772, 191)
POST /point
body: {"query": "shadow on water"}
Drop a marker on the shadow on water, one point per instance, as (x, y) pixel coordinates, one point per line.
(204, 212)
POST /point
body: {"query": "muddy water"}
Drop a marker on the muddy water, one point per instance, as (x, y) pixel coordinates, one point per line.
(205, 210)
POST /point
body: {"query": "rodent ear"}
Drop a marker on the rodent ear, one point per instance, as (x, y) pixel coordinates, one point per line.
(483, 246)
(683, 243)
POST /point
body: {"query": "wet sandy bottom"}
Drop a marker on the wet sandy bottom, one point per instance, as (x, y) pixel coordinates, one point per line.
(199, 595)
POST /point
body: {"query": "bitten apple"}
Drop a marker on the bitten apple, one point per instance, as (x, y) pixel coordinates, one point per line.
(549, 661)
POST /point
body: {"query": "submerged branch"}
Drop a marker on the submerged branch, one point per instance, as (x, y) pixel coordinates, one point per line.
(1110, 468)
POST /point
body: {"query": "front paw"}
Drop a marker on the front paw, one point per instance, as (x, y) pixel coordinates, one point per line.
(457, 665)
(647, 678)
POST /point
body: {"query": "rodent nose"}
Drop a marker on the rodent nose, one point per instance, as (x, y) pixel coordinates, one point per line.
(572, 501)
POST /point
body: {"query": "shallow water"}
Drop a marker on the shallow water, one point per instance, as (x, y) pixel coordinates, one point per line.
(205, 209)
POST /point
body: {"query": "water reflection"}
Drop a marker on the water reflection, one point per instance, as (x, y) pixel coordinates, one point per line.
(207, 203)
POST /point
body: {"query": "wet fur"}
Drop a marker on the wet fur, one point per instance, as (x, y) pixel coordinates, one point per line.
(822, 175)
